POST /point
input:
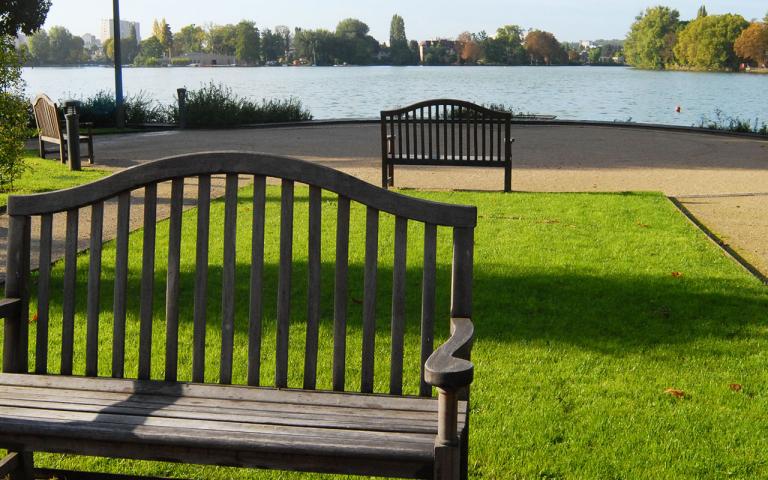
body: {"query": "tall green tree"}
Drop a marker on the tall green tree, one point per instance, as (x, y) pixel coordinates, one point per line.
(354, 46)
(22, 16)
(162, 32)
(65, 48)
(707, 42)
(129, 48)
(189, 39)
(652, 38)
(39, 47)
(702, 12)
(399, 51)
(316, 46)
(506, 47)
(221, 39)
(247, 43)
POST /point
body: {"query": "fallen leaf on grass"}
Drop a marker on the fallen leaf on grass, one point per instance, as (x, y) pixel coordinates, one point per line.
(677, 274)
(675, 392)
(643, 225)
(736, 387)
(34, 318)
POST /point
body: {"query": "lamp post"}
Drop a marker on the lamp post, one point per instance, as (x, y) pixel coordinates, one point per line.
(120, 112)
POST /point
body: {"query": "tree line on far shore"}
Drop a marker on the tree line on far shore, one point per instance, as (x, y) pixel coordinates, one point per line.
(660, 40)
(350, 43)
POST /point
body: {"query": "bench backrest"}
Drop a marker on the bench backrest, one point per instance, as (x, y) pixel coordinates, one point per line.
(46, 116)
(236, 311)
(446, 132)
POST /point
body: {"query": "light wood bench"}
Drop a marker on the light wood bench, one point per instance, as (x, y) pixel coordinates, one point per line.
(51, 129)
(445, 133)
(64, 409)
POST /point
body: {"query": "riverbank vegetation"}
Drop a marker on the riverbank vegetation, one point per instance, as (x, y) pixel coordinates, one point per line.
(244, 44)
(659, 39)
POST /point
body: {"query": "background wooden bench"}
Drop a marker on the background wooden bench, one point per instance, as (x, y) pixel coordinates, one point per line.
(445, 133)
(60, 409)
(51, 129)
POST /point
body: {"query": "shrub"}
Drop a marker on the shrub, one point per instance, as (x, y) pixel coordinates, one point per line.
(139, 109)
(216, 105)
(732, 124)
(13, 115)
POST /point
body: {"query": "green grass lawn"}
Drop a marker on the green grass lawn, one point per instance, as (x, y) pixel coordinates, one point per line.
(44, 175)
(587, 308)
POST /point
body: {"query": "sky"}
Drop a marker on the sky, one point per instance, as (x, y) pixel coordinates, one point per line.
(569, 20)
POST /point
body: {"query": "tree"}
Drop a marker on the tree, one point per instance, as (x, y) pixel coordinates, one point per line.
(652, 38)
(247, 43)
(594, 55)
(354, 46)
(189, 39)
(221, 39)
(39, 47)
(151, 48)
(22, 15)
(707, 43)
(543, 47)
(400, 53)
(702, 12)
(317, 46)
(470, 49)
(64, 47)
(162, 32)
(128, 48)
(506, 47)
(752, 44)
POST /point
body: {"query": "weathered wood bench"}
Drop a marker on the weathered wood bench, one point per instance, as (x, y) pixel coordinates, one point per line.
(445, 133)
(70, 409)
(51, 129)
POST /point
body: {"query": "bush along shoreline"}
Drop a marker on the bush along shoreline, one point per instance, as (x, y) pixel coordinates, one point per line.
(211, 106)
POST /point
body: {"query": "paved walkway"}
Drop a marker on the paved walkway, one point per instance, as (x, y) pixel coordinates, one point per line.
(722, 180)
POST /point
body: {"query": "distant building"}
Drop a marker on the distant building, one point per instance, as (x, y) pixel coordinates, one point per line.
(90, 42)
(107, 31)
(210, 59)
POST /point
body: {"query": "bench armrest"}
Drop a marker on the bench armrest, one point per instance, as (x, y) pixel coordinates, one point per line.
(445, 368)
(9, 306)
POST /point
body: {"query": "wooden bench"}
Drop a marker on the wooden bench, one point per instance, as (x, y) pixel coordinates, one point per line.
(65, 409)
(51, 129)
(447, 133)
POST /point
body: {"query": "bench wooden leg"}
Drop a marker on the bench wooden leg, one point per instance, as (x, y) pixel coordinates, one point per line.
(447, 462)
(63, 152)
(90, 150)
(508, 178)
(391, 175)
(17, 466)
(41, 146)
(384, 175)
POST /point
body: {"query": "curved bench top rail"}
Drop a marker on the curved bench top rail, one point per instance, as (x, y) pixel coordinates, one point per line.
(248, 163)
(449, 102)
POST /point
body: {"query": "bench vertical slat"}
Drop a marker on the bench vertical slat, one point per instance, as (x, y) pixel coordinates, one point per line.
(392, 134)
(485, 120)
(477, 150)
(428, 302)
(407, 136)
(119, 307)
(508, 156)
(172, 283)
(228, 279)
(491, 125)
(284, 285)
(256, 305)
(340, 296)
(201, 277)
(147, 282)
(421, 124)
(68, 303)
(43, 294)
(429, 129)
(468, 121)
(453, 131)
(398, 306)
(94, 291)
(16, 331)
(369, 299)
(462, 112)
(399, 135)
(445, 132)
(313, 287)
(499, 137)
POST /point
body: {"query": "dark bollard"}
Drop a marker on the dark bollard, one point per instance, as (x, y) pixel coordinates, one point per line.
(73, 133)
(182, 94)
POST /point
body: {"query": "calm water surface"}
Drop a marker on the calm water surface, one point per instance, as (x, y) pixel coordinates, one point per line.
(587, 93)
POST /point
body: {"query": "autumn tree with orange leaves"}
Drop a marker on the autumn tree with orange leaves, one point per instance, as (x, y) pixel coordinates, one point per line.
(752, 44)
(543, 47)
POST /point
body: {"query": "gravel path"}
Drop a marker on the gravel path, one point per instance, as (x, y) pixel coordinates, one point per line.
(709, 174)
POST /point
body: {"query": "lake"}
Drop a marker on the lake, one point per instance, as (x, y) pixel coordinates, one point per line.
(580, 93)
